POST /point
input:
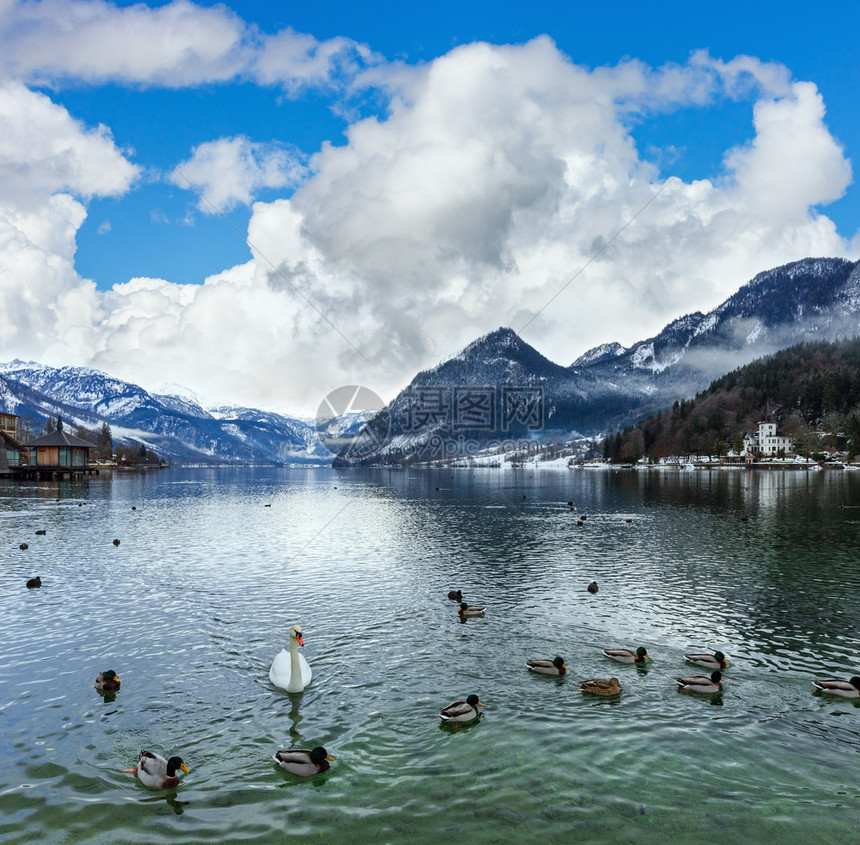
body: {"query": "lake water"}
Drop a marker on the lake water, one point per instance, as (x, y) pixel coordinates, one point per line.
(197, 599)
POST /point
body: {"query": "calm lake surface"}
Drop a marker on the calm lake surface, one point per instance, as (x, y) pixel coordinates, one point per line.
(215, 565)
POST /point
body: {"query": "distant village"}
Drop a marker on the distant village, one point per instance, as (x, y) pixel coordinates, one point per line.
(55, 453)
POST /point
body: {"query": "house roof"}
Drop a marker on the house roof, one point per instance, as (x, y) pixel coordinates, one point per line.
(60, 438)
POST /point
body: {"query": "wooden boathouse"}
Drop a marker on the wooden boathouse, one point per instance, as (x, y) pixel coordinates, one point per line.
(54, 455)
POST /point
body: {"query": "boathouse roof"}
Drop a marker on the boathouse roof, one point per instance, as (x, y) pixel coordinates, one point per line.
(60, 438)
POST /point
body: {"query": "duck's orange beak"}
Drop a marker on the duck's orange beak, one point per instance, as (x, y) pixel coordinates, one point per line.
(329, 757)
(184, 768)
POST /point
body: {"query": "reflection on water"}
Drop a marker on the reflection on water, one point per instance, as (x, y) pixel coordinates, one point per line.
(199, 596)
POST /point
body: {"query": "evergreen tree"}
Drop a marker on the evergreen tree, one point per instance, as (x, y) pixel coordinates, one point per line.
(104, 442)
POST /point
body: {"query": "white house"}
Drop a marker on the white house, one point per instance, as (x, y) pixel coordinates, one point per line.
(766, 441)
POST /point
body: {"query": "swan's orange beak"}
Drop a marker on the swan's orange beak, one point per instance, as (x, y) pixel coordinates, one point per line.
(299, 639)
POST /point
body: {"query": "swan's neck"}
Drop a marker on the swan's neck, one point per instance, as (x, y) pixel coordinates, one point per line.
(296, 684)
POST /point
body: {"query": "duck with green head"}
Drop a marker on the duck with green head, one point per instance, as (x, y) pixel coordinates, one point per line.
(717, 660)
(839, 686)
(107, 681)
(548, 667)
(302, 762)
(626, 655)
(461, 711)
(156, 772)
(701, 683)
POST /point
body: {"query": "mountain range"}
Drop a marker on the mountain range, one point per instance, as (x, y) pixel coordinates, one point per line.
(463, 402)
(497, 389)
(176, 427)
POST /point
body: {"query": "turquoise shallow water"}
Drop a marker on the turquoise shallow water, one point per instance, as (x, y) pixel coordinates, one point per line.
(194, 603)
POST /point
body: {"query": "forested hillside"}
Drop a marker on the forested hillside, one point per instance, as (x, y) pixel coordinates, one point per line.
(812, 391)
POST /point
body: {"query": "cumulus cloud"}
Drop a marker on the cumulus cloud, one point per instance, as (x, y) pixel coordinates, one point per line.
(174, 45)
(46, 305)
(49, 163)
(295, 60)
(790, 138)
(231, 171)
(502, 171)
(503, 178)
(43, 150)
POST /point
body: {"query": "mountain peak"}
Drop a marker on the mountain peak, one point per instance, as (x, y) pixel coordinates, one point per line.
(604, 352)
(502, 337)
(180, 391)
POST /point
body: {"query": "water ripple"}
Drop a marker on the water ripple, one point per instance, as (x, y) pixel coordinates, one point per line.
(197, 599)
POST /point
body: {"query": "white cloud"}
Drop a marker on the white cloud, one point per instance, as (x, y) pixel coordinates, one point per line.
(499, 173)
(295, 60)
(231, 171)
(44, 150)
(46, 305)
(793, 161)
(504, 169)
(173, 46)
(45, 157)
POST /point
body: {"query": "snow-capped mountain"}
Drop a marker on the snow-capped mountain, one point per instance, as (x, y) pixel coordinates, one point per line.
(812, 299)
(498, 389)
(174, 426)
(604, 352)
(463, 401)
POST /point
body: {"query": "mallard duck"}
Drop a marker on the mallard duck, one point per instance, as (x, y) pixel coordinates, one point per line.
(717, 660)
(156, 772)
(600, 686)
(592, 587)
(107, 681)
(701, 683)
(548, 667)
(461, 711)
(626, 655)
(467, 609)
(34, 582)
(290, 670)
(839, 686)
(455, 595)
(116, 542)
(302, 762)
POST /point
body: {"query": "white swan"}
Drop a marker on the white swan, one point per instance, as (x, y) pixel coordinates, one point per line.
(290, 670)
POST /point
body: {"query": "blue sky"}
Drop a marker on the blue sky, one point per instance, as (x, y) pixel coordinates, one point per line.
(374, 189)
(162, 125)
